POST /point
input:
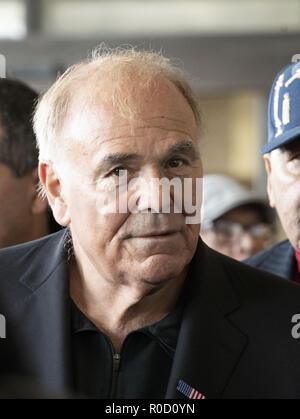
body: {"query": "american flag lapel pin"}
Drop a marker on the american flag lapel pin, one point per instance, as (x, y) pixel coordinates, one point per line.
(189, 391)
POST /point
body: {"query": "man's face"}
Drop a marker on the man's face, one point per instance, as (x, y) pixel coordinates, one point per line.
(15, 207)
(283, 168)
(239, 233)
(141, 247)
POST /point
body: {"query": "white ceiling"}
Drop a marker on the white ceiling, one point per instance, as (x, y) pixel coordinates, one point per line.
(152, 17)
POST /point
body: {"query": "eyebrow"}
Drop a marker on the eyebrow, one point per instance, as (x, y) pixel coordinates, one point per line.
(186, 147)
(119, 157)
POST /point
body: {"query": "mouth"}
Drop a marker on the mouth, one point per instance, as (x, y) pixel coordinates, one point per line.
(157, 234)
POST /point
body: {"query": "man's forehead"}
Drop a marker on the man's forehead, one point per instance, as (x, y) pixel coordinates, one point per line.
(104, 103)
(96, 126)
(161, 127)
(95, 133)
(150, 138)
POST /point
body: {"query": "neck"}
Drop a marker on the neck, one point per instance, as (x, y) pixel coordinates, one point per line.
(118, 309)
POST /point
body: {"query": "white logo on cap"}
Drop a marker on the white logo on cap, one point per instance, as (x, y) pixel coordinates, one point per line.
(286, 104)
(277, 120)
(286, 109)
(296, 75)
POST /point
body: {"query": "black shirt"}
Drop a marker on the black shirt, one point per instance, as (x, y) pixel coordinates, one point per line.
(140, 371)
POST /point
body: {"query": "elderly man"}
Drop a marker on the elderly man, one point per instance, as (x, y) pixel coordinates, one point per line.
(282, 161)
(24, 215)
(130, 303)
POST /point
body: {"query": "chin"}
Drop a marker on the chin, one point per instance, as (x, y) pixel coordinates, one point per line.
(159, 269)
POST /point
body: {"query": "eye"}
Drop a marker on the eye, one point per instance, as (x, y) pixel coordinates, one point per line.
(175, 163)
(119, 171)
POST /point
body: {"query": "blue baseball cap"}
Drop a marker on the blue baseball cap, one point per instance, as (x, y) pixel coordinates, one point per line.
(284, 108)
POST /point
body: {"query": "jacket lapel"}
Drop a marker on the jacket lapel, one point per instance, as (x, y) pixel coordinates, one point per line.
(209, 346)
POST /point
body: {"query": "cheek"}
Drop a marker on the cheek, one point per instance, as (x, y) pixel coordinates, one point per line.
(91, 217)
(287, 203)
(280, 180)
(109, 226)
(286, 188)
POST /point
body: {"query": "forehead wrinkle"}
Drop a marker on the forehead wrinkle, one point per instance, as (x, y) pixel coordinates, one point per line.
(118, 136)
(162, 117)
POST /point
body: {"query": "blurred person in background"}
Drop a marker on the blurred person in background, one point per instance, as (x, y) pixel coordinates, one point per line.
(24, 215)
(235, 221)
(282, 162)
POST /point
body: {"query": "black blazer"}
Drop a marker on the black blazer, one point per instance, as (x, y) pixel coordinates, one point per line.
(235, 339)
(279, 260)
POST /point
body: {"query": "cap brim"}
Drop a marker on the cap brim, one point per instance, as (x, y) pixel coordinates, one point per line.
(281, 140)
(219, 212)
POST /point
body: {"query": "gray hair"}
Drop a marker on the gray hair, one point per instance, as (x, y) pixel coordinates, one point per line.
(117, 66)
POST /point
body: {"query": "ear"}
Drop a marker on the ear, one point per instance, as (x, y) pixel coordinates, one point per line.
(268, 166)
(39, 204)
(53, 190)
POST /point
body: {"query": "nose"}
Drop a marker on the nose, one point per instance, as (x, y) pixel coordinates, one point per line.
(151, 194)
(247, 246)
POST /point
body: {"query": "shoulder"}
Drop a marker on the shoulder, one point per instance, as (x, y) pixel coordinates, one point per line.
(261, 257)
(250, 283)
(258, 303)
(16, 261)
(280, 260)
(28, 249)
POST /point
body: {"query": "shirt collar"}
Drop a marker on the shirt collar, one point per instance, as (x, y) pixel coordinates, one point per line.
(165, 331)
